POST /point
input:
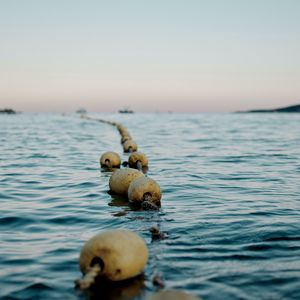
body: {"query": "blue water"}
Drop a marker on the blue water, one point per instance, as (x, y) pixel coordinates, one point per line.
(231, 202)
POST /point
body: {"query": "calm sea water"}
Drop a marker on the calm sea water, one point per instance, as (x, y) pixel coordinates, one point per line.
(231, 201)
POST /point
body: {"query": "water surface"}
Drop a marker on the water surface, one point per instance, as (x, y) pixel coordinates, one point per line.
(231, 203)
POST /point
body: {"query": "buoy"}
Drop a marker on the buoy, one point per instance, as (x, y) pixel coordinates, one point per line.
(125, 138)
(125, 134)
(122, 130)
(144, 189)
(172, 295)
(138, 160)
(121, 179)
(130, 146)
(113, 255)
(110, 160)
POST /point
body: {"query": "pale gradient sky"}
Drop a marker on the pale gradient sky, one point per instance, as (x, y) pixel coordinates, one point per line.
(155, 55)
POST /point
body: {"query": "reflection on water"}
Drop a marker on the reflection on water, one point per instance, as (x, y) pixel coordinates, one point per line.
(230, 206)
(126, 290)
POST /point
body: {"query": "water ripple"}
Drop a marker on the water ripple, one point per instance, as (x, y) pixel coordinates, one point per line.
(230, 187)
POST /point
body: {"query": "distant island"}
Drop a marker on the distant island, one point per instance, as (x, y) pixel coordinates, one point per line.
(287, 109)
(8, 111)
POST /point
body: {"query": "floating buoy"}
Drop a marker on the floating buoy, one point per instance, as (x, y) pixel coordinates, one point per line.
(130, 146)
(121, 179)
(113, 255)
(172, 295)
(144, 189)
(122, 130)
(138, 160)
(125, 138)
(110, 160)
(125, 134)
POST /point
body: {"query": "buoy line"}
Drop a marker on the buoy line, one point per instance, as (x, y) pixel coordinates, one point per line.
(143, 192)
(119, 254)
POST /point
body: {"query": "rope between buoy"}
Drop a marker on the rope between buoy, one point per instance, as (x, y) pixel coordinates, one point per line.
(89, 277)
(139, 165)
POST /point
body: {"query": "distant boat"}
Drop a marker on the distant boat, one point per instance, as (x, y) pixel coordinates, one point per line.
(81, 111)
(126, 111)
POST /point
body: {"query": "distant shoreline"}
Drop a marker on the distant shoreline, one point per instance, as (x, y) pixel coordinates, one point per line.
(287, 109)
(8, 111)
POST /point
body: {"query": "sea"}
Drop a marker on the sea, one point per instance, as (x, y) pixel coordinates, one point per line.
(230, 210)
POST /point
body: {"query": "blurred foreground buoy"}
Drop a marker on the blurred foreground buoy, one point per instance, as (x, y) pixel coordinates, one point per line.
(130, 146)
(121, 179)
(138, 160)
(172, 295)
(110, 160)
(113, 255)
(144, 189)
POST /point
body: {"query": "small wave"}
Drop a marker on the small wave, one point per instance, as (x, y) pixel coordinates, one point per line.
(12, 221)
(37, 290)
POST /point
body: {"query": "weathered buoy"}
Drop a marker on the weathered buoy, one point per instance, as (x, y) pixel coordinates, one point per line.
(138, 160)
(110, 160)
(144, 189)
(172, 295)
(113, 255)
(120, 180)
(130, 146)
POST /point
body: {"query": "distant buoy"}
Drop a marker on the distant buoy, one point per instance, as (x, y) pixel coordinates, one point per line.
(172, 295)
(130, 146)
(112, 255)
(122, 130)
(138, 160)
(144, 189)
(110, 160)
(121, 179)
(125, 133)
(125, 138)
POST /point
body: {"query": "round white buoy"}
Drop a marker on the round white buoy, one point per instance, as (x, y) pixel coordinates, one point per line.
(172, 295)
(138, 160)
(112, 255)
(121, 179)
(130, 146)
(144, 189)
(110, 160)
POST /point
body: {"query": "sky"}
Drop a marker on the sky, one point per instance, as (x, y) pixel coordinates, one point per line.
(151, 56)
